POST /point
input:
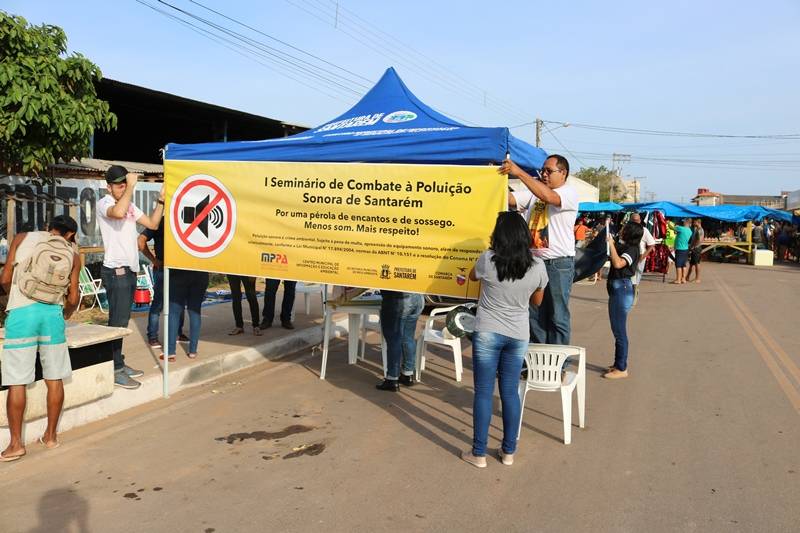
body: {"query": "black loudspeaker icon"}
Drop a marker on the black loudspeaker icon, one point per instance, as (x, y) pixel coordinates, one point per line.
(190, 213)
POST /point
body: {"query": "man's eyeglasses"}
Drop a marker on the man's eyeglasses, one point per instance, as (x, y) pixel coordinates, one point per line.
(547, 171)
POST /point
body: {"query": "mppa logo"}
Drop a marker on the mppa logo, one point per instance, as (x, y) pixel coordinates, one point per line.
(399, 116)
(280, 259)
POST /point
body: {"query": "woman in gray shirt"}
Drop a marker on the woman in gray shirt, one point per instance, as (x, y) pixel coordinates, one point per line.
(511, 279)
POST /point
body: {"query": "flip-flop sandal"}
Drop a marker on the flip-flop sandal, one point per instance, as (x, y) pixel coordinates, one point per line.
(43, 443)
(9, 458)
(171, 358)
(236, 331)
(191, 355)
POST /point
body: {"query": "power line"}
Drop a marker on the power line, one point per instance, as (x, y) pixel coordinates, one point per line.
(239, 49)
(377, 42)
(288, 45)
(298, 64)
(613, 129)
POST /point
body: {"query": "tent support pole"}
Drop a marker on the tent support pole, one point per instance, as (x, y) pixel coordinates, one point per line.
(165, 335)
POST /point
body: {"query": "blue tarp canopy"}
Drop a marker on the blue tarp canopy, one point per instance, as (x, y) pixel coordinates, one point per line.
(670, 209)
(388, 125)
(599, 207)
(725, 213)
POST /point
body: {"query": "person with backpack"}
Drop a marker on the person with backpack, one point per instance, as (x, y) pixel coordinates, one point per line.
(41, 279)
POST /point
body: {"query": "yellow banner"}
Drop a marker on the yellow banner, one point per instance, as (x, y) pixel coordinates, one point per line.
(414, 228)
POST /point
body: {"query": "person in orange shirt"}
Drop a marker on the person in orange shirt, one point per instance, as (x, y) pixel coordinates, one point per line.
(580, 232)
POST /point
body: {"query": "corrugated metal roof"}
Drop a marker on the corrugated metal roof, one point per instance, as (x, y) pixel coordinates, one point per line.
(101, 165)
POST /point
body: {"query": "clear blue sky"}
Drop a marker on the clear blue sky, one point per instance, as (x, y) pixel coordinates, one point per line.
(700, 66)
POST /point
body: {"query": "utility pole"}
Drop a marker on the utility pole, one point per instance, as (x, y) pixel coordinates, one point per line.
(539, 123)
(636, 187)
(616, 168)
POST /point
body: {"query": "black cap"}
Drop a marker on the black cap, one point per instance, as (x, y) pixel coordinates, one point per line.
(116, 174)
(64, 223)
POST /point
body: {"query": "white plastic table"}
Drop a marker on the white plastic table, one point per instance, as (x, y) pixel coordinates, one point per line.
(356, 315)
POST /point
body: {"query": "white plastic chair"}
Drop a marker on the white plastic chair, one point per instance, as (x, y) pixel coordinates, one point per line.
(307, 290)
(545, 362)
(438, 336)
(91, 287)
(372, 322)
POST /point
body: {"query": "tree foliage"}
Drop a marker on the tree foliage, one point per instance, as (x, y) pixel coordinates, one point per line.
(49, 107)
(605, 180)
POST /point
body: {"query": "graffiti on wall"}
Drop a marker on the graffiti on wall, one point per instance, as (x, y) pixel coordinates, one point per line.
(34, 214)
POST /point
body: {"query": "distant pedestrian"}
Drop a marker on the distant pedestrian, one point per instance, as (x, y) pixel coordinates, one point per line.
(646, 246)
(399, 314)
(512, 279)
(758, 237)
(696, 250)
(286, 306)
(581, 232)
(624, 257)
(683, 234)
(40, 277)
(236, 283)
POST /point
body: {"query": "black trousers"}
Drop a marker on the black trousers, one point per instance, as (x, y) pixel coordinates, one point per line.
(288, 300)
(236, 283)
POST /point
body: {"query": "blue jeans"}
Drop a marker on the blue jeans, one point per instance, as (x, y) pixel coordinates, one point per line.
(187, 290)
(620, 301)
(157, 305)
(120, 284)
(496, 355)
(399, 314)
(550, 322)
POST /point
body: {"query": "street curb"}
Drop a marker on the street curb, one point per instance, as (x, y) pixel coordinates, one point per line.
(181, 378)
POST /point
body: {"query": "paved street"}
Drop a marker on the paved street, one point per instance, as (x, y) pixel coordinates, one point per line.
(703, 437)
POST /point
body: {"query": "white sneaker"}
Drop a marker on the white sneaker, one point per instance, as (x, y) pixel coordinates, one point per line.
(506, 458)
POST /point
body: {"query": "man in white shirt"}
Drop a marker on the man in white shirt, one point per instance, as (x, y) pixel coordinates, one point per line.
(551, 207)
(117, 218)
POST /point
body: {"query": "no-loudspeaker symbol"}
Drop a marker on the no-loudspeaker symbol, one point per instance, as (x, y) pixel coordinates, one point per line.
(203, 216)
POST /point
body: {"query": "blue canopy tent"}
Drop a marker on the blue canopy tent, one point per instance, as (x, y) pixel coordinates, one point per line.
(599, 207)
(725, 213)
(388, 125)
(670, 209)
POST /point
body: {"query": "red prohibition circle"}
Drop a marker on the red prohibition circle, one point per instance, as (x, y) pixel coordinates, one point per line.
(184, 237)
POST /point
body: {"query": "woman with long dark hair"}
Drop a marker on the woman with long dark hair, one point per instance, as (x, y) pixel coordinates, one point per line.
(624, 256)
(511, 280)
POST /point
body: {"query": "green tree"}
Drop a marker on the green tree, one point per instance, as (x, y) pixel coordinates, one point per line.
(49, 107)
(606, 181)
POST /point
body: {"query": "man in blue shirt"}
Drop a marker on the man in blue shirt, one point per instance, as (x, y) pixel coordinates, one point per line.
(683, 234)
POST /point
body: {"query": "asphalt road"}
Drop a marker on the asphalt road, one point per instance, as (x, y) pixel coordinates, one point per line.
(702, 437)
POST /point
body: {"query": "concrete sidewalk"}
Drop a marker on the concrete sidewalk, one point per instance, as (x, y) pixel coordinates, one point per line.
(219, 354)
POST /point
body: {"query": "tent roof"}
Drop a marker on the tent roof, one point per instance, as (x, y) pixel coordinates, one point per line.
(597, 207)
(726, 213)
(388, 125)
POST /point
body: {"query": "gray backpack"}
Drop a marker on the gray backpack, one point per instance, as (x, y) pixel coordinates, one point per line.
(44, 276)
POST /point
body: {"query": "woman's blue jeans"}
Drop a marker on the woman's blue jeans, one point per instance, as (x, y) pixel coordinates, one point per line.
(496, 355)
(187, 290)
(620, 301)
(399, 314)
